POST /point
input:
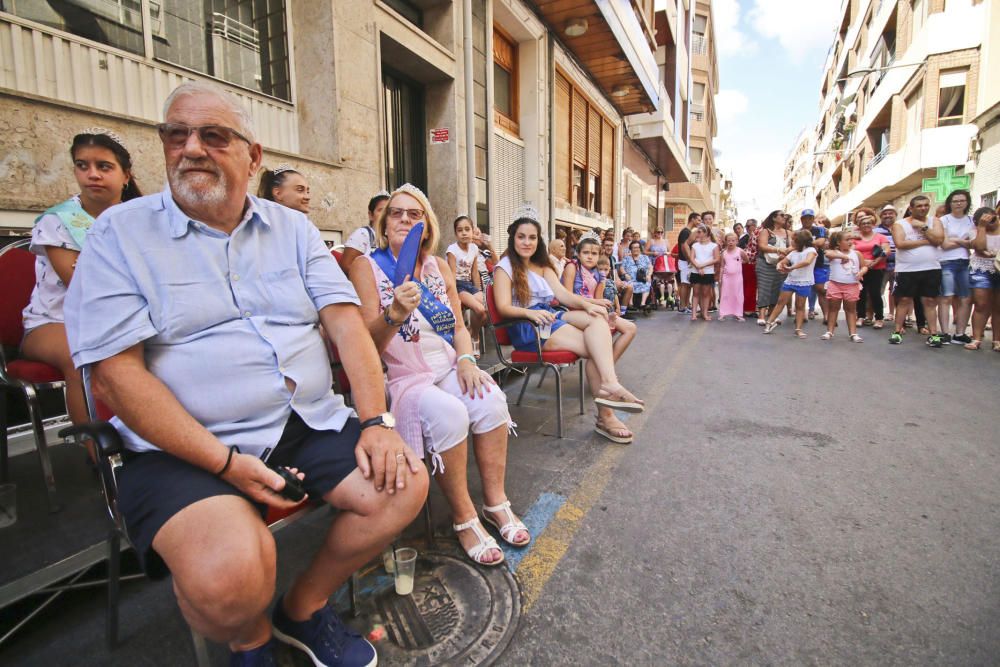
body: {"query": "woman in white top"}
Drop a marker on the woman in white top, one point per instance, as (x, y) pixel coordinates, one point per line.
(704, 257)
(362, 241)
(959, 231)
(525, 285)
(797, 266)
(103, 170)
(984, 276)
(438, 392)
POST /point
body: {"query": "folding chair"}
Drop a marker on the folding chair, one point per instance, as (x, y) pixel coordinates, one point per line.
(20, 376)
(531, 360)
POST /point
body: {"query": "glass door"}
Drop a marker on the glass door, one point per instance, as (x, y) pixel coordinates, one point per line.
(405, 150)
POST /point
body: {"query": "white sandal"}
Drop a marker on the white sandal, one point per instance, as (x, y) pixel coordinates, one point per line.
(486, 542)
(509, 529)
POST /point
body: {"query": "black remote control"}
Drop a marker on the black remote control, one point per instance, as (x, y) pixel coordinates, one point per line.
(293, 489)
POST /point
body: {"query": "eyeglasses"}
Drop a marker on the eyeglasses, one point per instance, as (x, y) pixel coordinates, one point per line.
(396, 213)
(659, 231)
(175, 135)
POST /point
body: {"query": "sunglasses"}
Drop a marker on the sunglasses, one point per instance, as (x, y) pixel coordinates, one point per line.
(175, 135)
(396, 213)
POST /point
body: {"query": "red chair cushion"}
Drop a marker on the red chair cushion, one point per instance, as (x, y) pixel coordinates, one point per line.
(34, 372)
(502, 335)
(274, 514)
(549, 356)
(17, 275)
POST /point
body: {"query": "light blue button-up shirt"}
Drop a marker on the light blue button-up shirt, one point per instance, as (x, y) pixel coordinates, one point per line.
(224, 318)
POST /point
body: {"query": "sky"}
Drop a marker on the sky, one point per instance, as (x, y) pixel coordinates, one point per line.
(771, 55)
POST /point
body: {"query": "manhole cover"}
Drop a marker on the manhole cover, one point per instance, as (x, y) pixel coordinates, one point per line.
(457, 614)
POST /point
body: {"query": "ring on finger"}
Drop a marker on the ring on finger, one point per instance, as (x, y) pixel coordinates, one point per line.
(400, 457)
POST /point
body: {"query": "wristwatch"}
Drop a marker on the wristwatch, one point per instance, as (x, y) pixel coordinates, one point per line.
(385, 420)
(391, 322)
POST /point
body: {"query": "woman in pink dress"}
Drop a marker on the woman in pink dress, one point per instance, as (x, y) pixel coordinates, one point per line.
(733, 258)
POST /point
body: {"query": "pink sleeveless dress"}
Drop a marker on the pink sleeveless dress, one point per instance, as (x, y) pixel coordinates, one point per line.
(732, 284)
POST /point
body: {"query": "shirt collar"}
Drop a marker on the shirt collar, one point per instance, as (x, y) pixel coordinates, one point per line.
(180, 221)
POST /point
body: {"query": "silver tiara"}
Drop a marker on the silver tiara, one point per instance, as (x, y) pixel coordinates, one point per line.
(526, 211)
(592, 235)
(381, 193)
(283, 167)
(410, 189)
(113, 136)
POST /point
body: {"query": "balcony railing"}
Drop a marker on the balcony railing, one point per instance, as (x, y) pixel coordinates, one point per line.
(699, 45)
(698, 112)
(696, 177)
(878, 157)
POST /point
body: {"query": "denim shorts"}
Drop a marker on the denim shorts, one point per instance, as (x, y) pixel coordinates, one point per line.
(466, 286)
(955, 278)
(984, 280)
(821, 274)
(802, 290)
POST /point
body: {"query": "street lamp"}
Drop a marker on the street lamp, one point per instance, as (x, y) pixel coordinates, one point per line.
(869, 70)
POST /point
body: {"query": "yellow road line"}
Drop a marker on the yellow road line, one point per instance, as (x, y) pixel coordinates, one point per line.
(549, 548)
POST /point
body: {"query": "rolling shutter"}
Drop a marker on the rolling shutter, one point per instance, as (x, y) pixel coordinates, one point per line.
(579, 129)
(607, 169)
(594, 142)
(561, 186)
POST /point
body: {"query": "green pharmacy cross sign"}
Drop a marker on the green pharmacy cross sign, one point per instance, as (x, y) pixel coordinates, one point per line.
(945, 183)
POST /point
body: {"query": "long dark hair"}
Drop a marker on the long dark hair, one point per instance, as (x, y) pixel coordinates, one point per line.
(980, 212)
(270, 180)
(539, 258)
(968, 200)
(768, 223)
(131, 190)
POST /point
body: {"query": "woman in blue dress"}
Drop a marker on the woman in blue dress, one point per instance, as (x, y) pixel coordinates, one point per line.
(639, 270)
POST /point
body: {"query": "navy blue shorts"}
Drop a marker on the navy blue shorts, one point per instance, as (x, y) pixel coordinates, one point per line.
(523, 334)
(154, 486)
(466, 286)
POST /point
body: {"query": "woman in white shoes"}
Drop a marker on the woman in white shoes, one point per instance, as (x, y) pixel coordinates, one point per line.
(438, 392)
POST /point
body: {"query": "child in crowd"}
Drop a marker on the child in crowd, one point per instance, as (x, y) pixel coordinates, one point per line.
(798, 267)
(704, 255)
(463, 257)
(847, 269)
(731, 279)
(608, 286)
(583, 277)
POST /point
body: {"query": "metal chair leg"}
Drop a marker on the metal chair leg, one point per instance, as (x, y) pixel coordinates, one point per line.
(35, 412)
(558, 399)
(114, 574)
(200, 650)
(4, 473)
(581, 362)
(352, 593)
(527, 379)
(545, 372)
(428, 524)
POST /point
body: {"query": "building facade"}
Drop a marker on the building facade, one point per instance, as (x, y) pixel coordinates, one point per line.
(699, 124)
(484, 104)
(900, 97)
(798, 185)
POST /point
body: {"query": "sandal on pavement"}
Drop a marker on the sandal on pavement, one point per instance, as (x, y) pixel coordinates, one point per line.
(799, 333)
(924, 331)
(770, 327)
(485, 543)
(509, 529)
(617, 434)
(996, 346)
(878, 324)
(761, 322)
(827, 336)
(974, 345)
(855, 338)
(619, 400)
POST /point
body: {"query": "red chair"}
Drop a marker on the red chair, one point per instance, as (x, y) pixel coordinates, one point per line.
(531, 360)
(20, 376)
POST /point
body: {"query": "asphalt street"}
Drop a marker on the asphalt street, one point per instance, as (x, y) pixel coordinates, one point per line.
(786, 502)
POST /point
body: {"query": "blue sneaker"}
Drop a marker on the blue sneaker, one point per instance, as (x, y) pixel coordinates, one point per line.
(324, 638)
(262, 656)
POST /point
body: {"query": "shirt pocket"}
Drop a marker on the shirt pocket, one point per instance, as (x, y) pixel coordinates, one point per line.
(195, 304)
(288, 300)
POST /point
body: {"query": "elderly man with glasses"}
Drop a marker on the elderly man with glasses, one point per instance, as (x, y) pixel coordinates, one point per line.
(198, 309)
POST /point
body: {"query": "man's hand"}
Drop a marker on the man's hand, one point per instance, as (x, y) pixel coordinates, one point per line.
(252, 476)
(383, 457)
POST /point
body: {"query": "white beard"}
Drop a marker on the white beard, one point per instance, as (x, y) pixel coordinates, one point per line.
(198, 189)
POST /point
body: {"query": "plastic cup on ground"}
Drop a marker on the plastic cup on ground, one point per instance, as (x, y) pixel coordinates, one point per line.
(8, 504)
(406, 567)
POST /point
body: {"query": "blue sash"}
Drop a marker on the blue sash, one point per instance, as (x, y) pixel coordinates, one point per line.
(74, 219)
(440, 317)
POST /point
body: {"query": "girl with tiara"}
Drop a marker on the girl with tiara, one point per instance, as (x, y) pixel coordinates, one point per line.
(102, 167)
(286, 186)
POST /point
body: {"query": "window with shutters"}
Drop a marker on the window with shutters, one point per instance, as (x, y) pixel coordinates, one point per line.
(951, 100)
(505, 93)
(585, 151)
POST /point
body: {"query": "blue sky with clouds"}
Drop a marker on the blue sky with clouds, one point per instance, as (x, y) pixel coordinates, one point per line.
(771, 54)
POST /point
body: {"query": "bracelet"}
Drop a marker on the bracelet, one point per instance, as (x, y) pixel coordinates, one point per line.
(391, 322)
(229, 460)
(466, 356)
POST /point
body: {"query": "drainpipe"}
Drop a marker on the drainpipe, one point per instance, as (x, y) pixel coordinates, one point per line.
(550, 100)
(470, 114)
